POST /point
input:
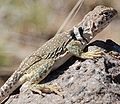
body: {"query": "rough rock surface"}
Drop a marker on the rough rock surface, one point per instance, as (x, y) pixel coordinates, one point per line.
(82, 81)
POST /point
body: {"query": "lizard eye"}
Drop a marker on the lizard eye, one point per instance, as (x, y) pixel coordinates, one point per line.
(106, 12)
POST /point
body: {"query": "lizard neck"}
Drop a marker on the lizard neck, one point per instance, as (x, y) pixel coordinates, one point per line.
(78, 34)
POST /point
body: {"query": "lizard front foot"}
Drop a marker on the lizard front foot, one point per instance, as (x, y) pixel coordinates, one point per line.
(92, 54)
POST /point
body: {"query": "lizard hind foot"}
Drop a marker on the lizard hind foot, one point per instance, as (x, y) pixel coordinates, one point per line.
(39, 88)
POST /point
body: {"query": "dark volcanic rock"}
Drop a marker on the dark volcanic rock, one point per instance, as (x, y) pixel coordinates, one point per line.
(84, 82)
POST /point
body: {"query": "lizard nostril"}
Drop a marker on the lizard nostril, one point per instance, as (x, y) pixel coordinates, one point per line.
(111, 15)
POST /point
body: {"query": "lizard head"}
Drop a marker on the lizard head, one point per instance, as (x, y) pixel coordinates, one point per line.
(95, 21)
(101, 17)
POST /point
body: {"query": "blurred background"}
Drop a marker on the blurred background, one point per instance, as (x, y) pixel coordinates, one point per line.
(26, 24)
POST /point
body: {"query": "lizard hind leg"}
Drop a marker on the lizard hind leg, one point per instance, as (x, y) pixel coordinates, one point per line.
(37, 73)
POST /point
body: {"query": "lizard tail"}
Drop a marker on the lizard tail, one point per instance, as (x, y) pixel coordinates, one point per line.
(9, 86)
(14, 81)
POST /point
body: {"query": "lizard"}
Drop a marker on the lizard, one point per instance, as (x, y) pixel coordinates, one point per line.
(56, 51)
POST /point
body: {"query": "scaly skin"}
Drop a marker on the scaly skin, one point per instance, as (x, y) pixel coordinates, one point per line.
(58, 50)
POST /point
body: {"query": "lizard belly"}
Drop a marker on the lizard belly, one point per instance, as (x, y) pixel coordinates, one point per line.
(61, 60)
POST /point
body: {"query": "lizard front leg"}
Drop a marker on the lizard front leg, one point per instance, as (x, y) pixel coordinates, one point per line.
(76, 48)
(37, 73)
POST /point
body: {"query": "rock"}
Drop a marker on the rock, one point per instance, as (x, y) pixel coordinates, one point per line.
(84, 82)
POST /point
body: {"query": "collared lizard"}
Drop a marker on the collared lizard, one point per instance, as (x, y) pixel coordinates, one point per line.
(58, 50)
